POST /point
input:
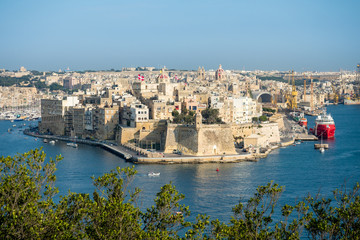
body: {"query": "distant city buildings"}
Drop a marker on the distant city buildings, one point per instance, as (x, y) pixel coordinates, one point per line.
(138, 105)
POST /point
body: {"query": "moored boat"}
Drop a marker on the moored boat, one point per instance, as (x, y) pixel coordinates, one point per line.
(324, 126)
(303, 122)
(72, 144)
(351, 101)
(153, 174)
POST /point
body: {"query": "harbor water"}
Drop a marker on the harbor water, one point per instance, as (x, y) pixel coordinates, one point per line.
(300, 168)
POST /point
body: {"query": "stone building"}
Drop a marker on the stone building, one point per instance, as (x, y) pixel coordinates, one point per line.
(199, 139)
(55, 117)
(159, 109)
(19, 96)
(220, 74)
(134, 114)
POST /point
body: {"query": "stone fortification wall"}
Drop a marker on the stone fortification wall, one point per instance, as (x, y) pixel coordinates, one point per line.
(183, 138)
(201, 141)
(242, 130)
(270, 131)
(278, 118)
(215, 140)
(147, 133)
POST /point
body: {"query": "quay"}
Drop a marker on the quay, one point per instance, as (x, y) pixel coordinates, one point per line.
(135, 157)
(318, 145)
(306, 137)
(113, 149)
(142, 156)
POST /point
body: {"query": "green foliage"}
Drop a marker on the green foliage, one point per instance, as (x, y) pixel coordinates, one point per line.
(112, 214)
(10, 81)
(167, 217)
(269, 109)
(29, 212)
(185, 116)
(255, 119)
(40, 85)
(337, 218)
(34, 72)
(211, 116)
(175, 113)
(26, 195)
(263, 118)
(55, 86)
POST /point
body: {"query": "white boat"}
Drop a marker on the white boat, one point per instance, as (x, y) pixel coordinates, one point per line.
(71, 144)
(322, 149)
(153, 174)
(52, 142)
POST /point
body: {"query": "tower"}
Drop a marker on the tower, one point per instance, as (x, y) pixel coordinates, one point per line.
(201, 73)
(198, 120)
(304, 89)
(220, 74)
(293, 93)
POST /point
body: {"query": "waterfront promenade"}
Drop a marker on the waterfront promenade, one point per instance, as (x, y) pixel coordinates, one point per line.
(143, 156)
(131, 154)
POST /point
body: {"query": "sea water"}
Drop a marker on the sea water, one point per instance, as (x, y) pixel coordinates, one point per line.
(301, 168)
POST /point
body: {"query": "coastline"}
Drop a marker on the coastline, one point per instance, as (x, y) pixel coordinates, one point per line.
(137, 155)
(128, 154)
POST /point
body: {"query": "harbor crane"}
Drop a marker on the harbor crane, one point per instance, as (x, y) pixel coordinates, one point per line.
(336, 95)
(291, 97)
(311, 94)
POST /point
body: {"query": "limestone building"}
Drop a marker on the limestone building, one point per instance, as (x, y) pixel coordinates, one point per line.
(220, 74)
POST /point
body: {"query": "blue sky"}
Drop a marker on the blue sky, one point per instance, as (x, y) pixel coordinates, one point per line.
(244, 34)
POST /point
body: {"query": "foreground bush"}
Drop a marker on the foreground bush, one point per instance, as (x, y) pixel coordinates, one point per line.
(111, 212)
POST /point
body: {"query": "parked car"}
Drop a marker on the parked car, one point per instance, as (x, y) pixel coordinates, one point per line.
(175, 151)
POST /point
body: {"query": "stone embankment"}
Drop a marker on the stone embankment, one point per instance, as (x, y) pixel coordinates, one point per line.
(123, 153)
(196, 159)
(130, 152)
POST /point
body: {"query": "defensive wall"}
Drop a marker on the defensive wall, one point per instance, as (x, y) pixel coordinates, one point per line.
(200, 140)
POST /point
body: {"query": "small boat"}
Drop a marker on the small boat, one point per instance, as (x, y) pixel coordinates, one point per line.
(45, 140)
(52, 142)
(153, 174)
(322, 149)
(71, 144)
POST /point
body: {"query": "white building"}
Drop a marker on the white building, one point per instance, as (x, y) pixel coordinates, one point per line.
(135, 113)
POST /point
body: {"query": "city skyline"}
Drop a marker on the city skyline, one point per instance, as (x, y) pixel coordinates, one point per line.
(250, 35)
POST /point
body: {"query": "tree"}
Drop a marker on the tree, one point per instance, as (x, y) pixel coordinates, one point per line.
(26, 195)
(211, 116)
(175, 113)
(28, 211)
(55, 86)
(263, 118)
(113, 214)
(40, 85)
(337, 217)
(167, 216)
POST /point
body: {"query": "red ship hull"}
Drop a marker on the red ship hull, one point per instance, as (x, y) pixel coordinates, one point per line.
(325, 130)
